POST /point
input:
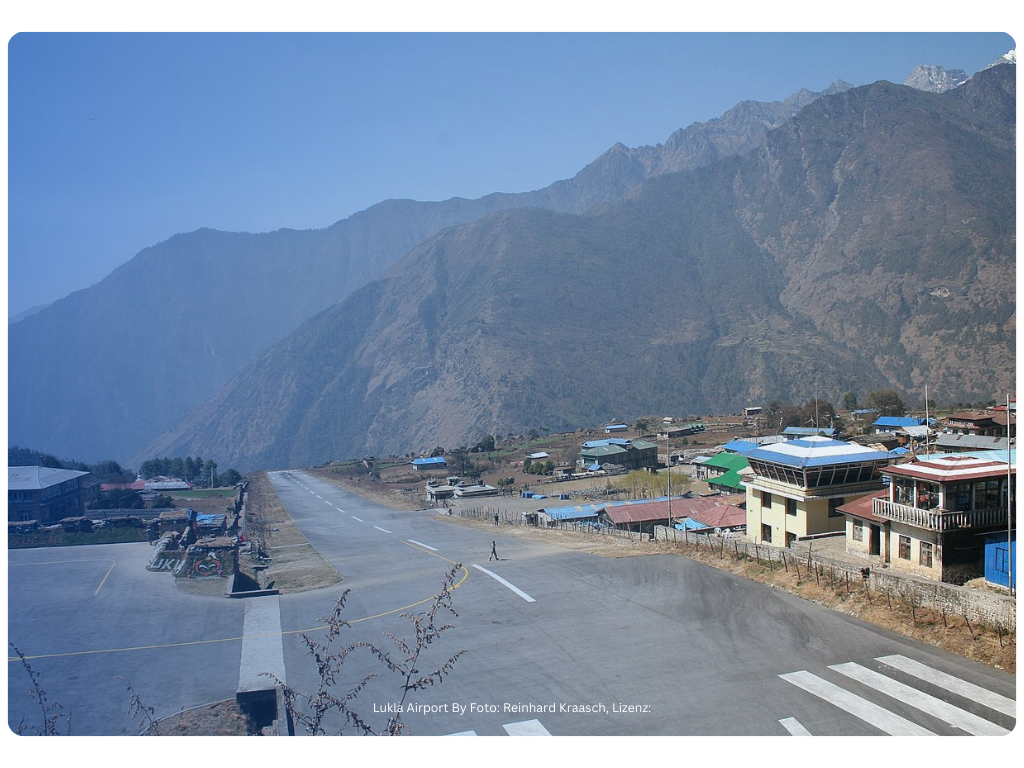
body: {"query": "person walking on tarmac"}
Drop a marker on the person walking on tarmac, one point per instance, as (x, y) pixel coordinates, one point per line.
(494, 552)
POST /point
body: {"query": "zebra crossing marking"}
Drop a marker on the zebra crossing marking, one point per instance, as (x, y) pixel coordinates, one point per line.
(867, 711)
(526, 728)
(971, 691)
(794, 727)
(522, 728)
(944, 711)
(889, 722)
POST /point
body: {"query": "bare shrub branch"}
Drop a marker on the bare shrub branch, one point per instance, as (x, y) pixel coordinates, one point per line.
(50, 712)
(312, 711)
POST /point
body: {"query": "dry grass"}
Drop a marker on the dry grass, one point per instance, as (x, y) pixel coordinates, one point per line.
(295, 566)
(950, 632)
(222, 718)
(298, 568)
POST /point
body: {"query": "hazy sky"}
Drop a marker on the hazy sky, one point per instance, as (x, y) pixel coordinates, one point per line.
(119, 141)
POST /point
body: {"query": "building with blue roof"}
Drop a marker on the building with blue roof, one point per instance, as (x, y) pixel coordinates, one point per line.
(893, 423)
(796, 487)
(435, 462)
(744, 445)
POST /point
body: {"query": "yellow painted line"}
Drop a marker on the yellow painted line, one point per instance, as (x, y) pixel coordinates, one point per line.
(83, 560)
(105, 576)
(465, 575)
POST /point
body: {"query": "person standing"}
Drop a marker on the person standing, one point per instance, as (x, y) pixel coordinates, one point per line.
(495, 518)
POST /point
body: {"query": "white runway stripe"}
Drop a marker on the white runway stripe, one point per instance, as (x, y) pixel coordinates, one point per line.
(954, 684)
(928, 704)
(385, 530)
(500, 580)
(526, 728)
(357, 518)
(794, 727)
(421, 544)
(867, 711)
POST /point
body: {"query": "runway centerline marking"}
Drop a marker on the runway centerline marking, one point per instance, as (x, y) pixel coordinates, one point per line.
(421, 544)
(382, 529)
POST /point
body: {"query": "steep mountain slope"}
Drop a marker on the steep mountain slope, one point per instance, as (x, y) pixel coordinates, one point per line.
(868, 242)
(108, 368)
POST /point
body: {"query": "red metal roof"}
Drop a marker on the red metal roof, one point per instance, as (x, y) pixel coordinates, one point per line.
(951, 469)
(710, 512)
(864, 506)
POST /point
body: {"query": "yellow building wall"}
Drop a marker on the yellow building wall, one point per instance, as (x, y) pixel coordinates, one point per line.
(811, 517)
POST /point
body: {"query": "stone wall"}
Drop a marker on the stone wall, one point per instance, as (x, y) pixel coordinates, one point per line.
(978, 606)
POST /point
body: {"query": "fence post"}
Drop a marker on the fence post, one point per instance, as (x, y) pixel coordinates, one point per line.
(969, 627)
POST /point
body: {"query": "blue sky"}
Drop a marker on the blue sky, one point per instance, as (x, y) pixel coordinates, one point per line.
(119, 141)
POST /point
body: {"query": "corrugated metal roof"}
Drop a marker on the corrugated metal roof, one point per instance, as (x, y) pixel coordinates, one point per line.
(951, 469)
(916, 430)
(728, 461)
(435, 461)
(897, 421)
(37, 478)
(638, 512)
(808, 431)
(743, 446)
(730, 479)
(816, 452)
(971, 441)
(605, 450)
(863, 507)
(578, 512)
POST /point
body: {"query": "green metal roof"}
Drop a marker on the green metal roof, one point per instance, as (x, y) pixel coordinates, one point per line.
(730, 479)
(725, 460)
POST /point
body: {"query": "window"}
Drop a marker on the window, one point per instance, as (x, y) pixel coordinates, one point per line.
(791, 507)
(904, 553)
(766, 500)
(927, 495)
(766, 533)
(833, 507)
(925, 557)
(858, 531)
(1002, 561)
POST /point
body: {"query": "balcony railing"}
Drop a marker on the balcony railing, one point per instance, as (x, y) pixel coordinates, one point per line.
(939, 519)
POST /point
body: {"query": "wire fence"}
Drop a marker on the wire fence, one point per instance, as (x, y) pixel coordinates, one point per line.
(900, 592)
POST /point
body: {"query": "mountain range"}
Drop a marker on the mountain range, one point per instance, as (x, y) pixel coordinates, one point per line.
(861, 237)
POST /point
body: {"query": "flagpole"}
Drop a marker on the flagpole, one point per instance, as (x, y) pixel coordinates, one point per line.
(1009, 502)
